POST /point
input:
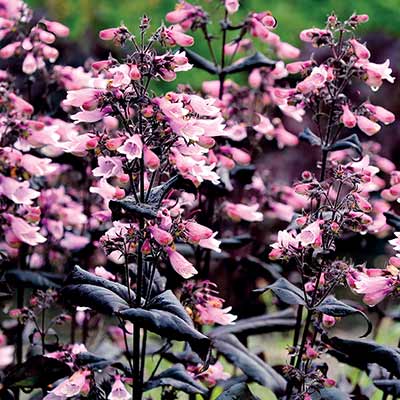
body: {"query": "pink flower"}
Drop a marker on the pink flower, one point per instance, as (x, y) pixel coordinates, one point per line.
(179, 263)
(328, 321)
(211, 243)
(298, 66)
(367, 126)
(173, 36)
(37, 166)
(74, 242)
(209, 315)
(109, 33)
(314, 81)
(380, 113)
(151, 160)
(162, 237)
(24, 232)
(18, 192)
(214, 373)
(6, 356)
(71, 387)
(314, 34)
(89, 116)
(118, 390)
(360, 50)
(196, 232)
(56, 27)
(20, 105)
(286, 50)
(377, 73)
(132, 148)
(232, 6)
(29, 66)
(311, 235)
(108, 167)
(348, 118)
(103, 273)
(240, 211)
(374, 288)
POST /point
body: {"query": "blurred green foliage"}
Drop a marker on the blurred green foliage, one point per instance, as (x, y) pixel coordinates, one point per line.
(292, 15)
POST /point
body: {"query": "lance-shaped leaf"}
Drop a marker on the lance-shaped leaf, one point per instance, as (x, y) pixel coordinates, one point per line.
(36, 372)
(336, 308)
(85, 289)
(178, 378)
(128, 207)
(278, 322)
(390, 386)
(392, 220)
(200, 62)
(351, 142)
(251, 365)
(257, 60)
(165, 316)
(310, 137)
(29, 279)
(240, 391)
(364, 352)
(94, 362)
(286, 292)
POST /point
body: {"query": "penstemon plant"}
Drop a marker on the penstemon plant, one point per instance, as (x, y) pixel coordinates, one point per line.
(122, 205)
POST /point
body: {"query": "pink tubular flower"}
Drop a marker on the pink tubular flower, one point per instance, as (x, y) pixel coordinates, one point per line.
(374, 288)
(348, 118)
(162, 237)
(211, 243)
(132, 148)
(179, 263)
(18, 192)
(232, 6)
(196, 232)
(315, 81)
(151, 160)
(360, 50)
(240, 211)
(108, 34)
(118, 390)
(286, 50)
(377, 73)
(56, 27)
(380, 113)
(213, 374)
(71, 387)
(311, 235)
(314, 34)
(210, 315)
(367, 126)
(108, 167)
(174, 36)
(103, 273)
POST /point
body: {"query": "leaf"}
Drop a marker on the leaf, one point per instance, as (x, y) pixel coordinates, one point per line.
(278, 322)
(286, 292)
(79, 275)
(350, 142)
(308, 136)
(330, 394)
(85, 289)
(36, 372)
(336, 308)
(128, 207)
(392, 220)
(178, 378)
(200, 62)
(390, 386)
(95, 362)
(235, 242)
(257, 60)
(240, 391)
(364, 352)
(165, 316)
(29, 279)
(97, 298)
(256, 369)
